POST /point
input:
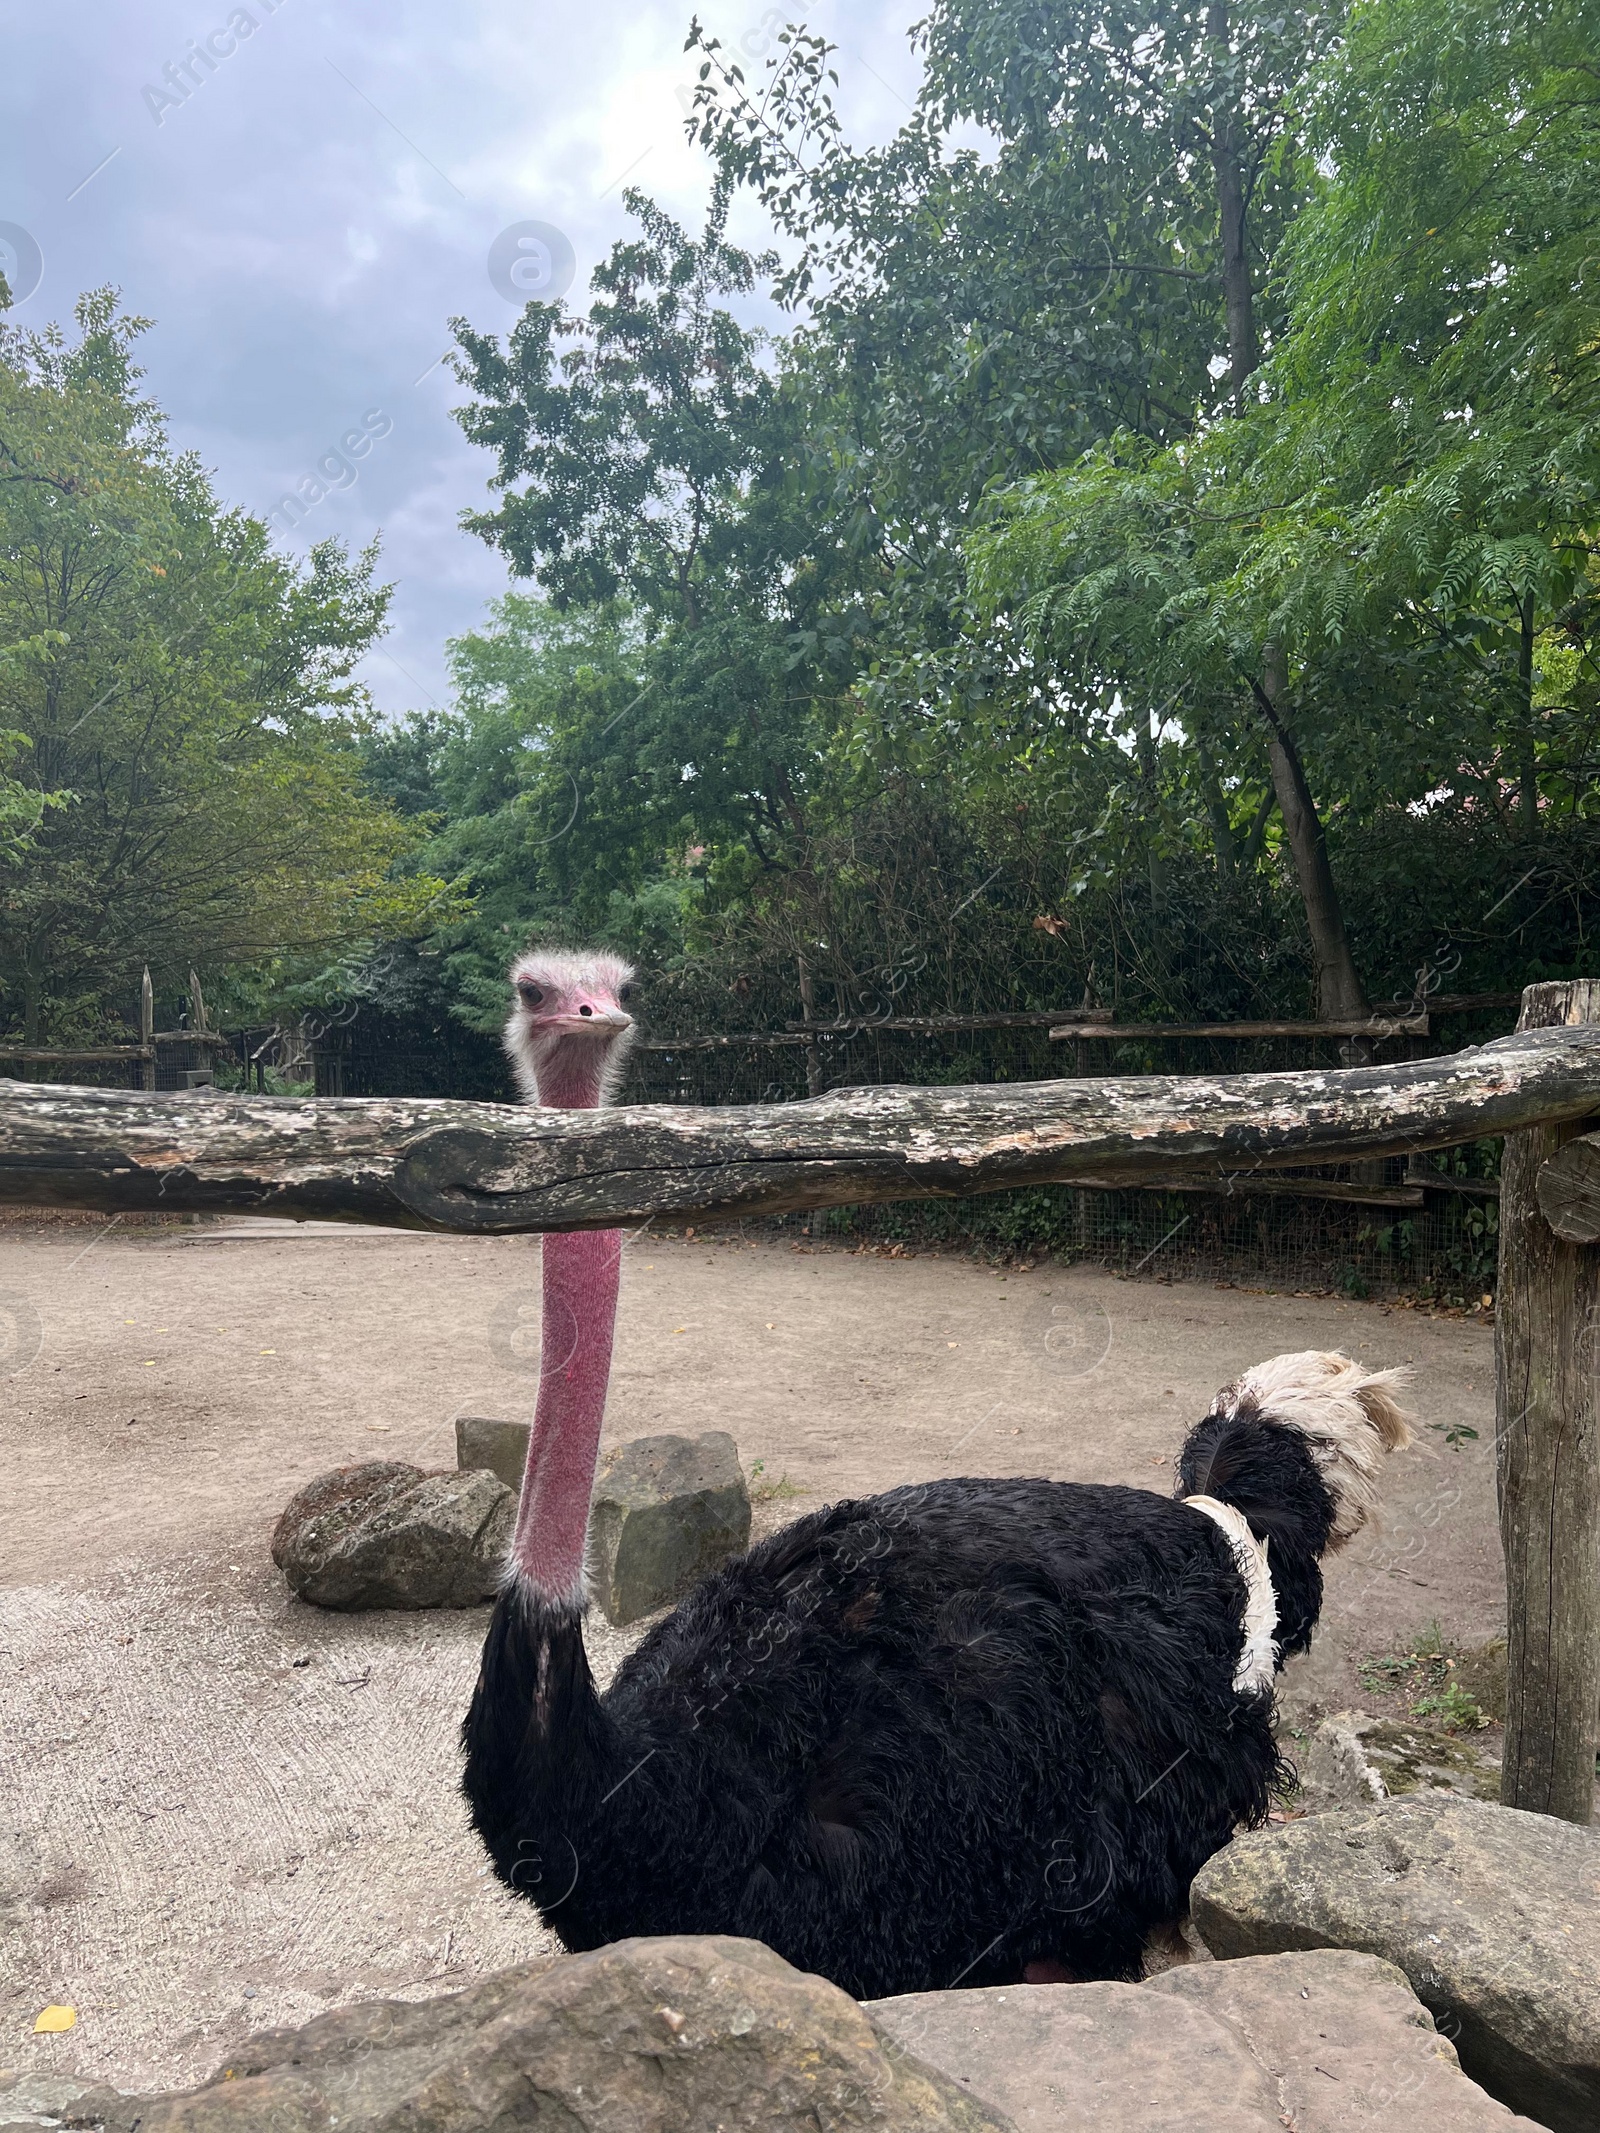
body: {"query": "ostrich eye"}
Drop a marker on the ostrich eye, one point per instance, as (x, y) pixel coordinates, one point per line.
(530, 994)
(627, 992)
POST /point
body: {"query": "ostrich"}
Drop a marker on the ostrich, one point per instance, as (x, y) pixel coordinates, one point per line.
(971, 1731)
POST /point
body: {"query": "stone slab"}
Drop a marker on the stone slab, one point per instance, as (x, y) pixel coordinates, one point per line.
(1067, 2058)
(1344, 2041)
(1353, 1758)
(1493, 1915)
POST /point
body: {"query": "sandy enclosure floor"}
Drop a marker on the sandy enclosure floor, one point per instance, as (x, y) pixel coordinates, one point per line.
(222, 1810)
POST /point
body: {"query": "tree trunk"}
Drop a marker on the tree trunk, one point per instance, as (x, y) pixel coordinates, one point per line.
(147, 1029)
(1227, 167)
(1150, 775)
(1223, 840)
(32, 991)
(1547, 1459)
(808, 1010)
(1340, 993)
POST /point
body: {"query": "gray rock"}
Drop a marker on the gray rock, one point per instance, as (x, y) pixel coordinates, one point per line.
(384, 1534)
(1493, 1915)
(485, 1441)
(1323, 2042)
(33, 2099)
(1335, 1770)
(682, 2035)
(1353, 1758)
(1064, 2057)
(1345, 2042)
(666, 1511)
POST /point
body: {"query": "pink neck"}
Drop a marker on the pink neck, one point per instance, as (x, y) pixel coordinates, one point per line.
(571, 1073)
(582, 1274)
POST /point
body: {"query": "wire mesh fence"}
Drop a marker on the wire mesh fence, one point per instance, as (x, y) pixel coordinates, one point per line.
(1442, 1249)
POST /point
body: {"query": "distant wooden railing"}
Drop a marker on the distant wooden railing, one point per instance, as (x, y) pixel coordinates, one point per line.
(1093, 1023)
(199, 1033)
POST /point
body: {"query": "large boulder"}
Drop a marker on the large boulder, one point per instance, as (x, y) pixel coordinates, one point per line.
(384, 1534)
(1323, 2042)
(694, 2035)
(645, 2036)
(666, 1512)
(1494, 1916)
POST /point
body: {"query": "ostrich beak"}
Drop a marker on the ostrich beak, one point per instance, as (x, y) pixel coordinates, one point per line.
(592, 1019)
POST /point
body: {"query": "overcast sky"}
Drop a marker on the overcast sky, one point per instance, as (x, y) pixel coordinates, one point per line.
(302, 218)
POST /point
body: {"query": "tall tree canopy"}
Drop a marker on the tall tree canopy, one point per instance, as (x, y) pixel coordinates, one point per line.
(1156, 564)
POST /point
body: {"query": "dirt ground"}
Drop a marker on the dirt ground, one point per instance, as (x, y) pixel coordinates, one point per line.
(221, 1810)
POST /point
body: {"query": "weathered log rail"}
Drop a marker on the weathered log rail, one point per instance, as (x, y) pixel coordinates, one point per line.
(491, 1168)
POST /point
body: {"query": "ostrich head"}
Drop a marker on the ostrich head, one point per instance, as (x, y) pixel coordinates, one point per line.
(569, 1031)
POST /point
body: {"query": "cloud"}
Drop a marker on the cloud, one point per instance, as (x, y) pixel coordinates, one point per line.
(303, 207)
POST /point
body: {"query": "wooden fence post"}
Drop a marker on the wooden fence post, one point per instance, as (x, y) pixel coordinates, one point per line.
(1547, 1451)
(147, 1028)
(808, 1013)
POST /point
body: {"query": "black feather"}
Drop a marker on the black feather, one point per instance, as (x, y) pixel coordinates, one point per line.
(929, 1738)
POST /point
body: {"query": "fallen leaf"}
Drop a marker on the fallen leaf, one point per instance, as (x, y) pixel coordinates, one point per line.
(54, 2020)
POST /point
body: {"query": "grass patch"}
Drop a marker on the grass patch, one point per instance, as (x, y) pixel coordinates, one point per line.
(1423, 1676)
(764, 1491)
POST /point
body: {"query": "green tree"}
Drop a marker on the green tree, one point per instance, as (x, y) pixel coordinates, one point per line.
(659, 463)
(185, 699)
(522, 797)
(1105, 269)
(1357, 568)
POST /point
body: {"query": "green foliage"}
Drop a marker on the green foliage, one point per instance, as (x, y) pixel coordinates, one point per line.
(1408, 511)
(1423, 1676)
(952, 643)
(994, 313)
(636, 447)
(524, 804)
(182, 699)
